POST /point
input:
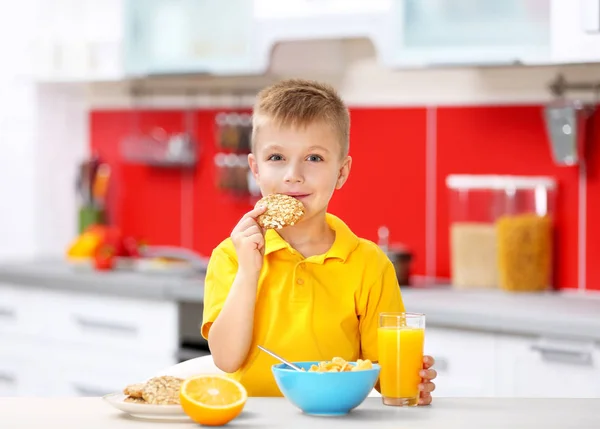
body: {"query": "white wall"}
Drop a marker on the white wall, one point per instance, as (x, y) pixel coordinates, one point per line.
(43, 133)
(17, 170)
(17, 137)
(63, 142)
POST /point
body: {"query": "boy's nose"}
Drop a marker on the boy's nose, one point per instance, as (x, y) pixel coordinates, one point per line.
(293, 175)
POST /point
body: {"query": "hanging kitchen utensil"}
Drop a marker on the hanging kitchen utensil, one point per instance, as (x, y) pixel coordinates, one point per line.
(100, 186)
(245, 132)
(159, 148)
(81, 182)
(566, 123)
(183, 147)
(131, 144)
(228, 131)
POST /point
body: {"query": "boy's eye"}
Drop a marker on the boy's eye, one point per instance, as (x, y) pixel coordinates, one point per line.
(275, 157)
(315, 158)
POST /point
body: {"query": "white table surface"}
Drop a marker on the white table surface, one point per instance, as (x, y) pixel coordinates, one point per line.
(444, 413)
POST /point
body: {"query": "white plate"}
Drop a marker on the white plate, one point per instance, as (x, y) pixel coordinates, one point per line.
(199, 365)
(146, 411)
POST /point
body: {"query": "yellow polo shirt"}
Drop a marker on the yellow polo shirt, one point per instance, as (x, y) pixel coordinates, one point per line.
(312, 308)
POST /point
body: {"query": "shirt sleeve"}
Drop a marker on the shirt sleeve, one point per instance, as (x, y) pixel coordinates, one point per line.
(220, 273)
(382, 296)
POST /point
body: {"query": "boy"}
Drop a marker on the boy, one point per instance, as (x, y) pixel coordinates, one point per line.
(310, 291)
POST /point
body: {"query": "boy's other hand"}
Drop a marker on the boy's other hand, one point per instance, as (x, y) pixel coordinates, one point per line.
(427, 386)
(249, 241)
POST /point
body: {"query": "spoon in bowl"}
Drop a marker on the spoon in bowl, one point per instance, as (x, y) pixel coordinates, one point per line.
(279, 358)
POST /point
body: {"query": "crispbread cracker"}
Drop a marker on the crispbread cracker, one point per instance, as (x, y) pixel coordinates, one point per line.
(163, 390)
(134, 390)
(135, 400)
(282, 210)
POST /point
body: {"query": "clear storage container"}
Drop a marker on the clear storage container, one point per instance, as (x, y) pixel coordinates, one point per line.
(501, 231)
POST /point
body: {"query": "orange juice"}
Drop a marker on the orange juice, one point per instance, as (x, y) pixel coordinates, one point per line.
(401, 359)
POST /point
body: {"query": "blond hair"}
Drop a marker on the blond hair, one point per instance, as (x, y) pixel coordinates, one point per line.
(301, 102)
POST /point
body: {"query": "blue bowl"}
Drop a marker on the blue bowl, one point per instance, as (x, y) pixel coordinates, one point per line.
(325, 393)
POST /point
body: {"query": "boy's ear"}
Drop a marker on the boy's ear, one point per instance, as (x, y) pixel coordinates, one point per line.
(344, 172)
(253, 165)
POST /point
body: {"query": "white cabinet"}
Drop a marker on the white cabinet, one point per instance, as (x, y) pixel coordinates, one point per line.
(78, 40)
(480, 364)
(548, 367)
(16, 313)
(11, 371)
(238, 36)
(466, 32)
(58, 343)
(282, 21)
(189, 36)
(465, 362)
(448, 32)
(575, 31)
(416, 33)
(108, 322)
(88, 371)
(91, 40)
(21, 370)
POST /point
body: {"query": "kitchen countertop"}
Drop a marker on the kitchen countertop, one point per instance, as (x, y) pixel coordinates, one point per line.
(59, 275)
(447, 413)
(562, 314)
(554, 314)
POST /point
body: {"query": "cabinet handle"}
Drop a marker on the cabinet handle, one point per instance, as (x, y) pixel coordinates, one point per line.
(88, 391)
(105, 326)
(7, 378)
(8, 313)
(564, 355)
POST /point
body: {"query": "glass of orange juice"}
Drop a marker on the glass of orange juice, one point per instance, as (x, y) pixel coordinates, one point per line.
(400, 340)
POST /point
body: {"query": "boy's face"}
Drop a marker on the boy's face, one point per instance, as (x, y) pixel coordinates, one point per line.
(305, 163)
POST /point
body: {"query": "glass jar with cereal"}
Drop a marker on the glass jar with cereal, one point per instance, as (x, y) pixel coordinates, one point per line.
(501, 231)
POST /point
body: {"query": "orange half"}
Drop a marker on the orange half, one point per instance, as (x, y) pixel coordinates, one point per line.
(212, 400)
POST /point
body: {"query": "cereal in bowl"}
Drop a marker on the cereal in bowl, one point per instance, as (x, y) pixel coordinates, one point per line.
(338, 364)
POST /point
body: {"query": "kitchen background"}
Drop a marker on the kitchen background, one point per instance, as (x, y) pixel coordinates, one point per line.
(434, 90)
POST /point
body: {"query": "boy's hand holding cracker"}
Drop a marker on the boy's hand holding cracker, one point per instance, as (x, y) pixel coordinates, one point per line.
(272, 211)
(249, 240)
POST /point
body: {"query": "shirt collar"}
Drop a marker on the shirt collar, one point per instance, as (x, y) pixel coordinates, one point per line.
(345, 241)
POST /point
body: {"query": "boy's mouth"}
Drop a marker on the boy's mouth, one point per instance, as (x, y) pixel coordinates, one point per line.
(297, 195)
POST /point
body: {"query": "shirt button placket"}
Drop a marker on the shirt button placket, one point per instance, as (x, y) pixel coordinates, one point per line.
(299, 271)
(300, 290)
